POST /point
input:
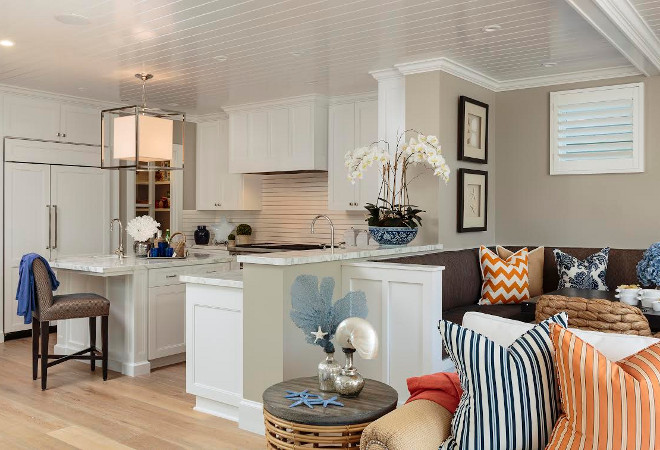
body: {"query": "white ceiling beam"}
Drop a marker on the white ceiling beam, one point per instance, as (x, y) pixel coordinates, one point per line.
(620, 23)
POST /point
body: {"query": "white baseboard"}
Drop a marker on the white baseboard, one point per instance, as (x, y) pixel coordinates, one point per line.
(217, 409)
(251, 417)
(131, 370)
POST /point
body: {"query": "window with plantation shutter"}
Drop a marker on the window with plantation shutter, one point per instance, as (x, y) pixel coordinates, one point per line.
(597, 130)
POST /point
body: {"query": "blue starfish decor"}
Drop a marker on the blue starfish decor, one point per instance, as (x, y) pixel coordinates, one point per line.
(308, 399)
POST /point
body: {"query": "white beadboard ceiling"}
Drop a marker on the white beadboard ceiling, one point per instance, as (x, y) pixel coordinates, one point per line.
(337, 42)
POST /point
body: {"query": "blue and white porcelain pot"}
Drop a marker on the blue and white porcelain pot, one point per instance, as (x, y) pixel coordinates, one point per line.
(392, 236)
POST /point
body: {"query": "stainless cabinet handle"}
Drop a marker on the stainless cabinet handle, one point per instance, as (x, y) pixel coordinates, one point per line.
(50, 223)
(170, 276)
(59, 134)
(55, 208)
(63, 134)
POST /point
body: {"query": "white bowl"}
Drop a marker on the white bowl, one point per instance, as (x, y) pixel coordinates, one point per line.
(628, 299)
(656, 306)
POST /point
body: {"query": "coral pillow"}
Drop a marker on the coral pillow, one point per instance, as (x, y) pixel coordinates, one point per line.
(504, 281)
(608, 405)
(536, 263)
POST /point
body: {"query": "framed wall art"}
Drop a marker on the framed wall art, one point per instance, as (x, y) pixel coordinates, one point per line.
(472, 130)
(472, 200)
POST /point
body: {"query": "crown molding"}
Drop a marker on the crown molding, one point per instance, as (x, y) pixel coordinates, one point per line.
(631, 23)
(351, 98)
(9, 89)
(620, 23)
(466, 73)
(386, 74)
(565, 78)
(449, 66)
(211, 117)
(289, 101)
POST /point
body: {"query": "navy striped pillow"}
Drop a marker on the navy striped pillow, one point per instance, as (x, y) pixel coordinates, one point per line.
(510, 398)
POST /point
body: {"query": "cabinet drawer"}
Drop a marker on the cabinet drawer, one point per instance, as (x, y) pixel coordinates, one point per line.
(168, 276)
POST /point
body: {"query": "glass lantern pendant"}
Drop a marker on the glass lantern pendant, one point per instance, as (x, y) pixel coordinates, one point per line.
(141, 138)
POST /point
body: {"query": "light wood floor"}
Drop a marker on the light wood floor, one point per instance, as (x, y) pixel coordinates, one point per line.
(79, 410)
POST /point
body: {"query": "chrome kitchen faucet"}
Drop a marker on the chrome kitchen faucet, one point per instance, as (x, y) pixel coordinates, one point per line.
(332, 230)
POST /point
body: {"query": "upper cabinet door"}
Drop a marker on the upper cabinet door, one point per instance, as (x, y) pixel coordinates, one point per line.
(258, 138)
(28, 117)
(80, 198)
(80, 124)
(208, 166)
(366, 132)
(341, 139)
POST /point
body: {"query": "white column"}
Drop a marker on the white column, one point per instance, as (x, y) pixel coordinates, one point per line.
(391, 105)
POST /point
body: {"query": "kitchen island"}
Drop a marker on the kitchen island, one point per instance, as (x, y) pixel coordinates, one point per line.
(147, 304)
(239, 324)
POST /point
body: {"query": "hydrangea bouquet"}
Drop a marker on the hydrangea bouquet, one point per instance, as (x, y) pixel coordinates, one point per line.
(142, 228)
(392, 207)
(648, 269)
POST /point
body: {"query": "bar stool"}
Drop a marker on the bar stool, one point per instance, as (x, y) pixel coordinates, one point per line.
(62, 307)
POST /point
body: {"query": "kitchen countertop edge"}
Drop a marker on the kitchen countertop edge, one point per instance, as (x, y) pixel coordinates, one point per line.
(318, 256)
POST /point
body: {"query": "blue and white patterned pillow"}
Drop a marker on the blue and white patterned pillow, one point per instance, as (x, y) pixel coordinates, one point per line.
(510, 398)
(587, 274)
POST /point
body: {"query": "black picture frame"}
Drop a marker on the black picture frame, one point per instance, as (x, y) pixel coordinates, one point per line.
(461, 227)
(461, 130)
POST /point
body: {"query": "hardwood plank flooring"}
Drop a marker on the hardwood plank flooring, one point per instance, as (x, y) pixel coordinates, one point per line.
(79, 410)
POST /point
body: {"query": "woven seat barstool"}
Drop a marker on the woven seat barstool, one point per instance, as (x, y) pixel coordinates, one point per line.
(62, 307)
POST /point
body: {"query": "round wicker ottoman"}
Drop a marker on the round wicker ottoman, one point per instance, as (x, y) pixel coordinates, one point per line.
(331, 427)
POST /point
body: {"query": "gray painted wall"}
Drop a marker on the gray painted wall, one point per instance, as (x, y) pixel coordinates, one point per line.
(432, 108)
(618, 210)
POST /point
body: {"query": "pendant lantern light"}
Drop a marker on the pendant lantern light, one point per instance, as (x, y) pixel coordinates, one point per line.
(141, 138)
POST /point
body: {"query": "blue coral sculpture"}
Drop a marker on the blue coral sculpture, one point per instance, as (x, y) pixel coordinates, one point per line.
(315, 314)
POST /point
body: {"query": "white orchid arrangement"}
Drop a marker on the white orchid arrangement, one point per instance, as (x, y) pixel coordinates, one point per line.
(142, 228)
(395, 207)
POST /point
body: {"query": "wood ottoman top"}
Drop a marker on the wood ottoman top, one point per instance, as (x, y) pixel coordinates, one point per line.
(375, 400)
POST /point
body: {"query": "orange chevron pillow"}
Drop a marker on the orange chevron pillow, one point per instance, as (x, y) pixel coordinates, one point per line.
(504, 280)
(605, 404)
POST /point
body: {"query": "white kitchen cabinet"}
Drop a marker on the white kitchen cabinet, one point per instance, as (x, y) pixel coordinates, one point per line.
(217, 189)
(38, 118)
(352, 124)
(282, 136)
(80, 124)
(167, 305)
(214, 348)
(54, 211)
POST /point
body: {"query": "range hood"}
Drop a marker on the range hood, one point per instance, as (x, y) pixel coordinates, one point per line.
(289, 136)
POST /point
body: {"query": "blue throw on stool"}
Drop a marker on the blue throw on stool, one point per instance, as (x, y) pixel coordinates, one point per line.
(26, 294)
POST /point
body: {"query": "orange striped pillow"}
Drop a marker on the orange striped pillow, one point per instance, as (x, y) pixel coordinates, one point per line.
(607, 405)
(504, 280)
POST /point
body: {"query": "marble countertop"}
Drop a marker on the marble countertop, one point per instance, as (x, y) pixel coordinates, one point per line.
(233, 278)
(340, 254)
(111, 265)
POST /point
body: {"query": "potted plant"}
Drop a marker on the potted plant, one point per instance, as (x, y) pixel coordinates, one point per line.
(231, 240)
(243, 233)
(393, 219)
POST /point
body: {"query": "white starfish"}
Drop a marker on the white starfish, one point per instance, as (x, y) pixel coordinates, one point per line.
(318, 334)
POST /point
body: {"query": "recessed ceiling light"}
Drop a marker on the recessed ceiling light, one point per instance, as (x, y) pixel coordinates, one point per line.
(220, 58)
(549, 64)
(173, 104)
(82, 89)
(491, 28)
(72, 19)
(296, 53)
(311, 82)
(6, 43)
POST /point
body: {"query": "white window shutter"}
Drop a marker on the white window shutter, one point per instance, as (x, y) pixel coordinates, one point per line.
(597, 130)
